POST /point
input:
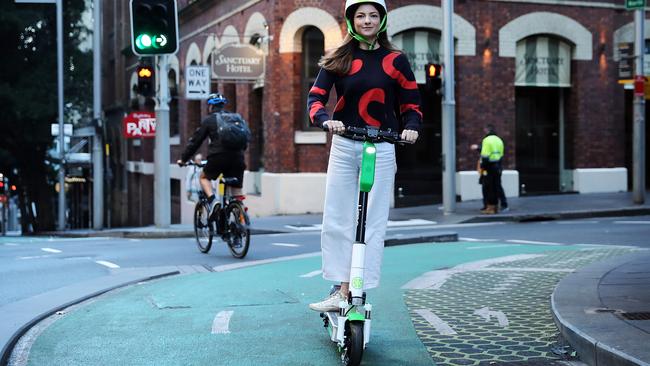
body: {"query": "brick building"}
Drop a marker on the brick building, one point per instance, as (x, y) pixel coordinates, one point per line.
(544, 72)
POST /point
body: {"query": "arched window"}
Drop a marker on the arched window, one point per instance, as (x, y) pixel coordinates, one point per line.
(313, 47)
(421, 46)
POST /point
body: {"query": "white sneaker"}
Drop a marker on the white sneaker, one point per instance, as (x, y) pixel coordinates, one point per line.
(331, 303)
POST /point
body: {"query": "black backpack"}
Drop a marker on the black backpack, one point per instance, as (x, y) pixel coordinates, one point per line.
(233, 131)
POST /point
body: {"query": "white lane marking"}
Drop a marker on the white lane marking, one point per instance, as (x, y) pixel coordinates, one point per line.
(486, 314)
(304, 228)
(533, 242)
(435, 279)
(438, 324)
(11, 244)
(476, 239)
(35, 257)
(630, 222)
(107, 264)
(286, 245)
(507, 284)
(95, 238)
(576, 222)
(221, 322)
(312, 274)
(50, 250)
(135, 240)
(494, 246)
(601, 246)
(411, 222)
(228, 267)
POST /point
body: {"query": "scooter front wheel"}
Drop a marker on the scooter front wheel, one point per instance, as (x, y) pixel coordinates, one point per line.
(353, 344)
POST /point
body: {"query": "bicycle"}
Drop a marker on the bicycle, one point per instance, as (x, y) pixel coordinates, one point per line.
(229, 220)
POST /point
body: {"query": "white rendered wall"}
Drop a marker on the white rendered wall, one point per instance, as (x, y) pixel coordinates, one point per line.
(600, 180)
(467, 186)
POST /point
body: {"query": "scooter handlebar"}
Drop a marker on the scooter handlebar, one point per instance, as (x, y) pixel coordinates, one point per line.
(373, 134)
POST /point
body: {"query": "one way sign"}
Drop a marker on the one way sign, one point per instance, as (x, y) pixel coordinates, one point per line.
(197, 79)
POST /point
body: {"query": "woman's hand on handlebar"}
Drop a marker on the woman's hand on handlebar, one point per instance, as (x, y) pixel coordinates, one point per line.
(334, 126)
(180, 163)
(410, 136)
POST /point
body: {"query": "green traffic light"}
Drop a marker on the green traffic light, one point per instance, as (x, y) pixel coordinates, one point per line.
(143, 41)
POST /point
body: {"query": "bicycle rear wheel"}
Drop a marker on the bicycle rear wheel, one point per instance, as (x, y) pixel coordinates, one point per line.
(239, 229)
(203, 227)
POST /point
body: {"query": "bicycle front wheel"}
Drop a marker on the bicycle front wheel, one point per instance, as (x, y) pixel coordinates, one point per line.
(239, 229)
(203, 227)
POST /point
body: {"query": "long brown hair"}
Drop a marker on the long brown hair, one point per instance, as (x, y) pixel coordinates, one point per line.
(339, 60)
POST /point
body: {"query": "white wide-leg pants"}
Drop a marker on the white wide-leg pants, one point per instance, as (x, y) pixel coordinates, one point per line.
(340, 212)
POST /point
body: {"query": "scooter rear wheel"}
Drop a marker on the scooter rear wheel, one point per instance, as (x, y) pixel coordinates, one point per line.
(353, 344)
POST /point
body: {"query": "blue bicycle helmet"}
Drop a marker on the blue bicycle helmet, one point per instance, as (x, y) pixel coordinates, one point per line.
(217, 99)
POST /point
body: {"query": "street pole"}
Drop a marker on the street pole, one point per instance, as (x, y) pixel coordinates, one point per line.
(448, 112)
(59, 54)
(638, 178)
(98, 157)
(162, 192)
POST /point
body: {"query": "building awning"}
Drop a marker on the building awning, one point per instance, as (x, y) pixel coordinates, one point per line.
(420, 47)
(543, 62)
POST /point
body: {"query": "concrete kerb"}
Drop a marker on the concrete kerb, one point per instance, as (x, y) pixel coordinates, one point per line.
(549, 216)
(17, 318)
(580, 317)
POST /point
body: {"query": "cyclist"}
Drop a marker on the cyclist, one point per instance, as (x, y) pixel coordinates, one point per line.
(221, 159)
(371, 78)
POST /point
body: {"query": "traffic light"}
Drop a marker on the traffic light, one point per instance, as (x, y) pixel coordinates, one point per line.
(146, 78)
(2, 187)
(154, 27)
(434, 77)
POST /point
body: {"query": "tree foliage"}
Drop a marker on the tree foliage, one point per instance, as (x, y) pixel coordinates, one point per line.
(28, 97)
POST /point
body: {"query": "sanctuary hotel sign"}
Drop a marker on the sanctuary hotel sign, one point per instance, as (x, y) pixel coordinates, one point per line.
(238, 62)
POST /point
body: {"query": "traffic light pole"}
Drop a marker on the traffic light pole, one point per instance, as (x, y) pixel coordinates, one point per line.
(59, 66)
(162, 192)
(638, 174)
(448, 112)
(98, 156)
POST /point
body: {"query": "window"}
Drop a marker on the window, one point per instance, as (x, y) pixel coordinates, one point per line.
(313, 47)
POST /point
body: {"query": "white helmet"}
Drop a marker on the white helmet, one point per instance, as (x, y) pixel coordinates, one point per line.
(348, 18)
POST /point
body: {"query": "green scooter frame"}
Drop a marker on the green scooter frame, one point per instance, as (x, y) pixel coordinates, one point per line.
(349, 327)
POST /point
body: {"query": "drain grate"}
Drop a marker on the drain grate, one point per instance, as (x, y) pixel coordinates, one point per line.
(636, 316)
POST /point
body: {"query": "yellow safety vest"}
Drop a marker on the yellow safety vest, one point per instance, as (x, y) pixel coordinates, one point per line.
(492, 148)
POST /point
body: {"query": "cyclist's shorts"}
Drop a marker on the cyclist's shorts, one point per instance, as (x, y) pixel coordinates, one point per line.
(232, 165)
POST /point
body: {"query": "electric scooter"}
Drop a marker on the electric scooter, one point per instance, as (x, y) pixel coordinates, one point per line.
(349, 327)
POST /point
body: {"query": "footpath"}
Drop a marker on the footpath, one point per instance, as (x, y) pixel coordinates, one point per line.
(602, 310)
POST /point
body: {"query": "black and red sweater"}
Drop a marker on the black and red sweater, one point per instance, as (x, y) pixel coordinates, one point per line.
(378, 81)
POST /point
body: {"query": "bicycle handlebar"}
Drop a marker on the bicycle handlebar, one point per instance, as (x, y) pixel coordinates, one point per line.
(191, 162)
(372, 134)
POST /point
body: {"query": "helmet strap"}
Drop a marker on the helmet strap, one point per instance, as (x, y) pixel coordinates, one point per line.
(360, 38)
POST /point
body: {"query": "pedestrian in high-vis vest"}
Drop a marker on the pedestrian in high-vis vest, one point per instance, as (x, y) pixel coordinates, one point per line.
(491, 155)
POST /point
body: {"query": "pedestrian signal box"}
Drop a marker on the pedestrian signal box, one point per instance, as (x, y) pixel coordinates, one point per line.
(434, 78)
(154, 27)
(146, 79)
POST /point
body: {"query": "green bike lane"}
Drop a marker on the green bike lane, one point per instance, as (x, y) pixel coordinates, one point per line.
(258, 315)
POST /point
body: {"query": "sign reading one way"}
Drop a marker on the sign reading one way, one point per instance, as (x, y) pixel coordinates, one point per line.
(197, 79)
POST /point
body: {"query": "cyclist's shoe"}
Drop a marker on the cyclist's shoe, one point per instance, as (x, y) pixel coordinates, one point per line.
(213, 206)
(235, 241)
(504, 209)
(331, 303)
